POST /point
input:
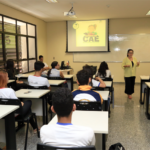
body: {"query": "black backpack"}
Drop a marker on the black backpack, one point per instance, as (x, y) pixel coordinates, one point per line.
(117, 146)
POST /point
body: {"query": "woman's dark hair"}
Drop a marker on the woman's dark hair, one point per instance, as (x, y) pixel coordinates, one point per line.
(62, 101)
(10, 67)
(129, 51)
(102, 69)
(53, 65)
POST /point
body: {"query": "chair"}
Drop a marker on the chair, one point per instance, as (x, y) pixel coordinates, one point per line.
(94, 69)
(145, 94)
(48, 147)
(54, 78)
(111, 90)
(88, 106)
(20, 118)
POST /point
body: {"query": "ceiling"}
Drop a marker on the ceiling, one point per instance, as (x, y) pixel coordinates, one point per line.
(85, 9)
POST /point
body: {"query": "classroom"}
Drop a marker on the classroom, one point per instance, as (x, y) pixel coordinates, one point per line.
(74, 74)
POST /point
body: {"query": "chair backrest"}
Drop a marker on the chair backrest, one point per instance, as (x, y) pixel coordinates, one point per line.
(88, 106)
(108, 79)
(94, 69)
(54, 78)
(39, 87)
(5, 101)
(48, 147)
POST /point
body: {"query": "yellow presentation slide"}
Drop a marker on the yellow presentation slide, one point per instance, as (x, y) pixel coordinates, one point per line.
(90, 33)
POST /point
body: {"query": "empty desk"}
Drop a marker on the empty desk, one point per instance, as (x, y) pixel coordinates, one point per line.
(7, 126)
(97, 120)
(38, 106)
(66, 71)
(143, 86)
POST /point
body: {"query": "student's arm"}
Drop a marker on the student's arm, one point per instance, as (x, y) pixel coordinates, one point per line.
(48, 85)
(46, 68)
(61, 75)
(102, 83)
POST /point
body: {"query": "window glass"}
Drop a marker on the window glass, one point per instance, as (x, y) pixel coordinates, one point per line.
(10, 46)
(21, 28)
(31, 30)
(31, 42)
(22, 47)
(9, 25)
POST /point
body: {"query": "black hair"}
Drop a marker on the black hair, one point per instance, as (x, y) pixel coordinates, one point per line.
(102, 69)
(53, 64)
(83, 77)
(89, 70)
(129, 51)
(38, 65)
(40, 56)
(62, 101)
(10, 66)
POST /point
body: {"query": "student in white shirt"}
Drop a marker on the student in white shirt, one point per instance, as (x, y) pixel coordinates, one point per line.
(45, 68)
(54, 72)
(94, 83)
(10, 94)
(64, 133)
(103, 71)
(36, 80)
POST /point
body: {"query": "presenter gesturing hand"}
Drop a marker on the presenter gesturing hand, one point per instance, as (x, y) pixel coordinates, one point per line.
(129, 65)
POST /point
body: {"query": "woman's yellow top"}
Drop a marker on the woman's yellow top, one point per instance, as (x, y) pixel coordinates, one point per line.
(129, 71)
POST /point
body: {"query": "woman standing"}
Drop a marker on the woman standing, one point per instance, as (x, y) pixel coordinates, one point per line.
(129, 65)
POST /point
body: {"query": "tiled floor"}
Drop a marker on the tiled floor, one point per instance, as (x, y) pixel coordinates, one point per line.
(127, 124)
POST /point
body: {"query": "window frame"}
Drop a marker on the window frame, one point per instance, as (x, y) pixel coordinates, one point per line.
(16, 34)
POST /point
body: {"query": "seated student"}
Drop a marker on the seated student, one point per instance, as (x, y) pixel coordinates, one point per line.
(54, 72)
(84, 92)
(11, 70)
(64, 133)
(94, 83)
(10, 94)
(103, 71)
(45, 68)
(37, 80)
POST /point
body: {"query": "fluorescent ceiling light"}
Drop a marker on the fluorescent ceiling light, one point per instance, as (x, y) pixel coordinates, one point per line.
(51, 1)
(148, 13)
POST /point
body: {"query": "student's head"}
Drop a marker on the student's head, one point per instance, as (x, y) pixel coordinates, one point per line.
(130, 53)
(10, 64)
(89, 70)
(83, 77)
(41, 58)
(3, 79)
(38, 66)
(102, 68)
(62, 102)
(55, 65)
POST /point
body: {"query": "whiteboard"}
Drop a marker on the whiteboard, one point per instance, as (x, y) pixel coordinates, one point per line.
(119, 44)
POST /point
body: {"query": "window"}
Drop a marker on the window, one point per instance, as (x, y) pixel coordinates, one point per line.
(18, 42)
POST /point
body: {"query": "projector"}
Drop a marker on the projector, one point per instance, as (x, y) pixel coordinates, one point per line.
(70, 13)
